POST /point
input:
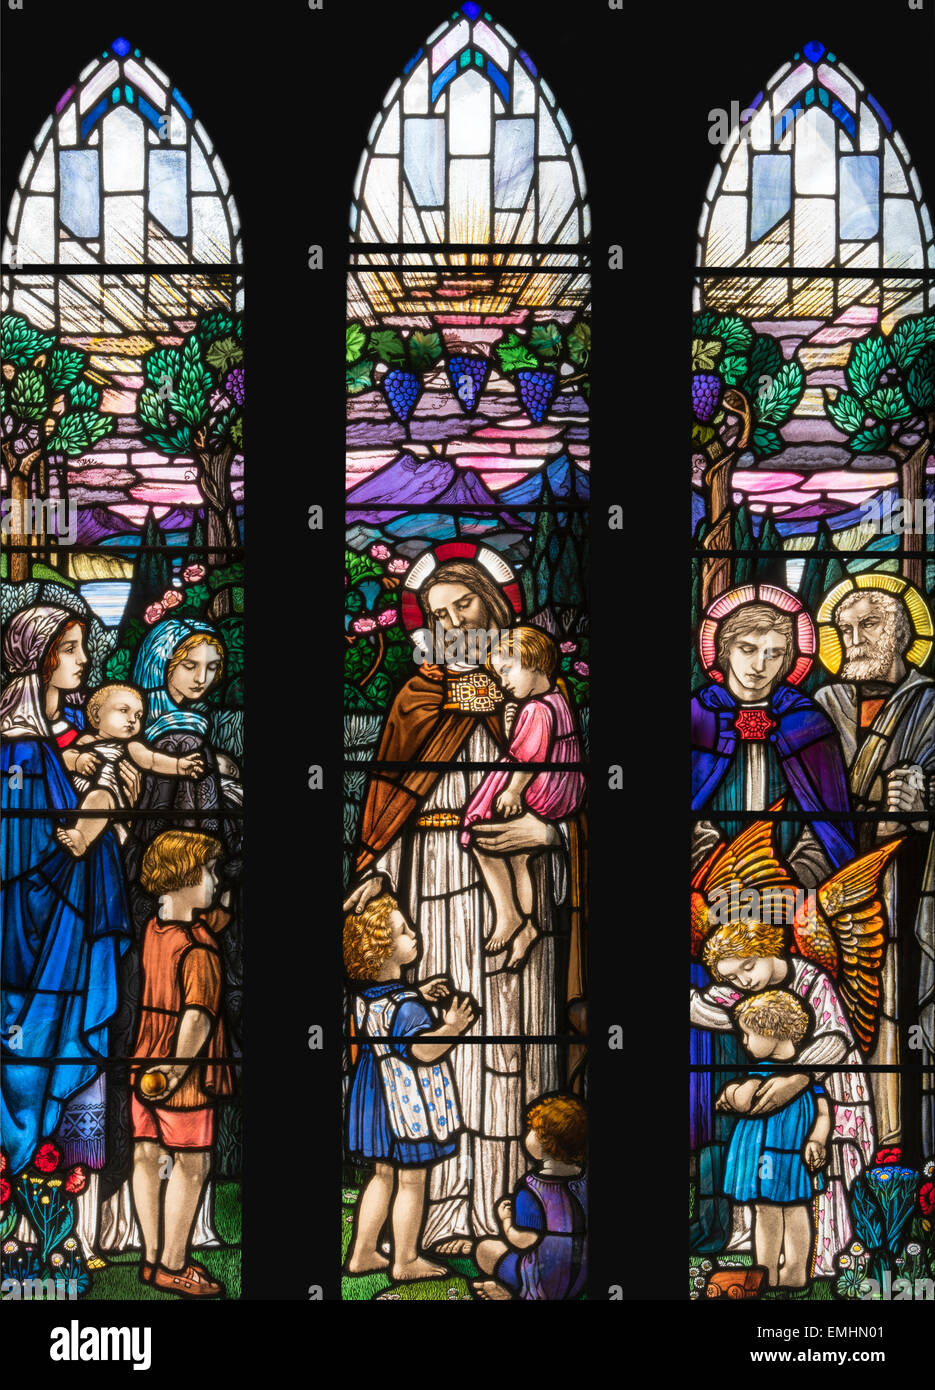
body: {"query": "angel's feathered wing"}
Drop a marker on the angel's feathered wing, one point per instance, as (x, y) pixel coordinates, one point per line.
(842, 928)
(748, 861)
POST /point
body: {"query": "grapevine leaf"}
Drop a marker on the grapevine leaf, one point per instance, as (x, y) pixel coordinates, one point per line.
(702, 433)
(237, 432)
(734, 368)
(546, 340)
(515, 356)
(224, 354)
(358, 377)
(65, 366)
(387, 346)
(869, 441)
(845, 411)
(355, 340)
(869, 359)
(579, 344)
(29, 394)
(765, 442)
(889, 403)
(775, 403)
(424, 350)
(910, 337)
(704, 354)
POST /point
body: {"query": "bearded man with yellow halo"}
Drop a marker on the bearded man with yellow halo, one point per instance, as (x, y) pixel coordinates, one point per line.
(875, 633)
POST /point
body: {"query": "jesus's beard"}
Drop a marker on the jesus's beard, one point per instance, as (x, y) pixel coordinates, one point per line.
(876, 665)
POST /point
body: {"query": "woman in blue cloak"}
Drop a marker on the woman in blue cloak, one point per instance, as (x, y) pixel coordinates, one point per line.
(65, 920)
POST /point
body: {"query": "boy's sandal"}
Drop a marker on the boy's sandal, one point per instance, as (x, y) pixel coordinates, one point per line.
(191, 1282)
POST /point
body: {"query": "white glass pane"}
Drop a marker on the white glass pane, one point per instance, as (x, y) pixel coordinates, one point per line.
(790, 87)
(43, 179)
(504, 227)
(836, 83)
(68, 125)
(469, 115)
(36, 236)
(727, 236)
(124, 146)
(450, 45)
(469, 200)
(735, 180)
(424, 158)
(550, 142)
(201, 175)
(514, 151)
(140, 78)
(761, 129)
(902, 243)
(547, 91)
(394, 88)
(926, 222)
(233, 216)
(842, 67)
(556, 196)
(524, 92)
(381, 196)
(416, 90)
(221, 174)
(579, 170)
(157, 70)
(11, 218)
(815, 159)
(869, 128)
(433, 219)
(566, 128)
(88, 69)
(79, 205)
(210, 235)
(894, 180)
(123, 229)
(388, 143)
(486, 39)
(106, 78)
(168, 190)
(813, 236)
(204, 138)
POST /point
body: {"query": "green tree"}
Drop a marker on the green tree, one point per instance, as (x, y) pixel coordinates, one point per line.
(192, 407)
(743, 390)
(50, 410)
(890, 408)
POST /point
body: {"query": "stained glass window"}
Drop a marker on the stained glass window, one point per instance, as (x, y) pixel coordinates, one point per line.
(812, 1127)
(121, 709)
(467, 683)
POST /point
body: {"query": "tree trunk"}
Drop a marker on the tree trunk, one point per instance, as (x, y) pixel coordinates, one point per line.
(19, 467)
(912, 490)
(221, 531)
(717, 571)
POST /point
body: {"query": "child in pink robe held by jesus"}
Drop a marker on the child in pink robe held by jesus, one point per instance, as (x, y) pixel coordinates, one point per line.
(543, 731)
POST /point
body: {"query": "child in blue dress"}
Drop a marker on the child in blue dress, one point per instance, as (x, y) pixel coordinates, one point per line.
(403, 1107)
(773, 1159)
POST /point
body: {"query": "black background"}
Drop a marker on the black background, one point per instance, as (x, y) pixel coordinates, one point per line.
(287, 95)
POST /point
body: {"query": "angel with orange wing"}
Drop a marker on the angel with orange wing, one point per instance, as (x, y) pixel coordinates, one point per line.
(754, 930)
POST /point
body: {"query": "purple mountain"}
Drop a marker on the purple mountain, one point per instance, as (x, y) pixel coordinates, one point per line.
(407, 483)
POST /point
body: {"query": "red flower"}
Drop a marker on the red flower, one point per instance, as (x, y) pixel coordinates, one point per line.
(4, 1192)
(927, 1198)
(47, 1158)
(888, 1155)
(77, 1179)
(2, 1161)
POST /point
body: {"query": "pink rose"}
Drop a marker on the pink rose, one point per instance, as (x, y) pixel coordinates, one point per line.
(398, 566)
(379, 552)
(363, 625)
(171, 598)
(153, 613)
(568, 646)
(582, 668)
(192, 573)
(387, 618)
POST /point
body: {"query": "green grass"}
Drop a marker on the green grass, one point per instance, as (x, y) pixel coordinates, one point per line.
(119, 1278)
(820, 1290)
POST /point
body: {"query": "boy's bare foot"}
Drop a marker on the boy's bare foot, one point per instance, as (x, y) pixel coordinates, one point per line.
(418, 1269)
(368, 1262)
(456, 1246)
(521, 944)
(501, 936)
(492, 1291)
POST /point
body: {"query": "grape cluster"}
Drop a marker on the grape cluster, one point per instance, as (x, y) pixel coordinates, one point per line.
(467, 376)
(234, 385)
(401, 390)
(706, 394)
(536, 390)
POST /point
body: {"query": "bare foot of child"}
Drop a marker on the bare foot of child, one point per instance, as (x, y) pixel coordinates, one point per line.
(521, 944)
(492, 1291)
(418, 1269)
(504, 930)
(72, 840)
(367, 1262)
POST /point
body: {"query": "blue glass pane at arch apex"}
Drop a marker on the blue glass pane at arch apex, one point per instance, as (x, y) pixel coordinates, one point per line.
(121, 47)
(813, 50)
(471, 9)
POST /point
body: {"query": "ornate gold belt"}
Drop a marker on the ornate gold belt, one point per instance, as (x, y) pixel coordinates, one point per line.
(473, 693)
(439, 820)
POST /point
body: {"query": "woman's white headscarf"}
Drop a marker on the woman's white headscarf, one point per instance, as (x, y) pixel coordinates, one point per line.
(22, 704)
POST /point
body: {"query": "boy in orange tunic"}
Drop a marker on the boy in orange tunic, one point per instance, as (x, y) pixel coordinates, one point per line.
(173, 1103)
